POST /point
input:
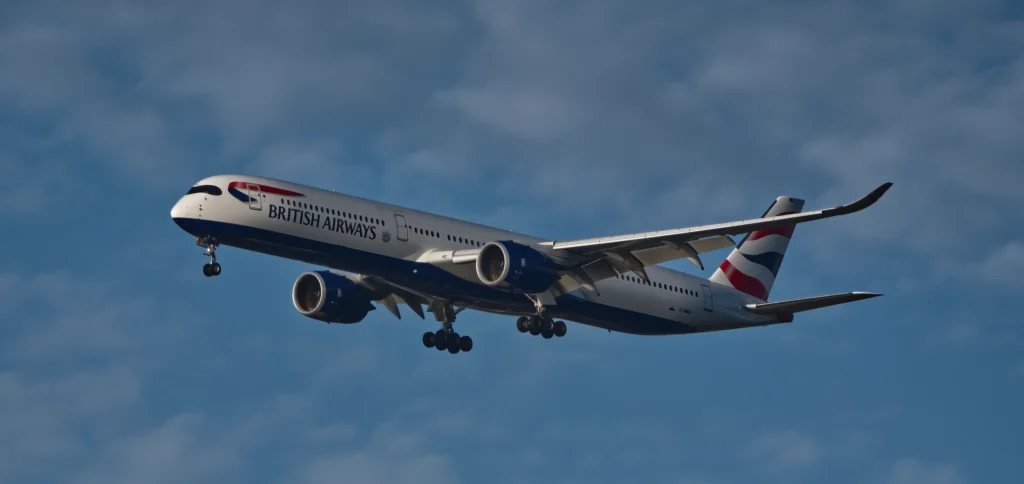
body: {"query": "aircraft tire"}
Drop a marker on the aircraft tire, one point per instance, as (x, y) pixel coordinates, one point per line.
(547, 334)
(428, 339)
(441, 340)
(523, 324)
(560, 329)
(453, 340)
(466, 343)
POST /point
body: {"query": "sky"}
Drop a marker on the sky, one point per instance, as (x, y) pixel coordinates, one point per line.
(121, 363)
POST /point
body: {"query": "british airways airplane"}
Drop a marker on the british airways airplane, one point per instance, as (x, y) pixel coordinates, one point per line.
(393, 255)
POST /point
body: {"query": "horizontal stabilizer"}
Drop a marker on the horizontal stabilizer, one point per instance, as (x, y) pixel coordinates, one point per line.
(806, 304)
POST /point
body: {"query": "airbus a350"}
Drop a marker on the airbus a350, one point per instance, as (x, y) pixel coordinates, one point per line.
(375, 253)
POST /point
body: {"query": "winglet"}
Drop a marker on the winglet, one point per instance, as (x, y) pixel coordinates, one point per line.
(865, 202)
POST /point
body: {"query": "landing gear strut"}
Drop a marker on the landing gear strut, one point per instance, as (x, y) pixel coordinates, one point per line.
(446, 338)
(213, 268)
(541, 325)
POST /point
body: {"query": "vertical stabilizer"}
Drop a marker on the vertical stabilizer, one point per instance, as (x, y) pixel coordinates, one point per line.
(754, 263)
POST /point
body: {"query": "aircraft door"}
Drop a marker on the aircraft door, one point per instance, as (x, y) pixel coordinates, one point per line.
(255, 196)
(401, 229)
(709, 303)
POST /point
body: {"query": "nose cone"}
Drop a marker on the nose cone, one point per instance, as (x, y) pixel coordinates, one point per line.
(181, 215)
(178, 210)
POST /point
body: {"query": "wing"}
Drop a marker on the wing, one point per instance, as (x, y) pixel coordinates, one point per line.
(605, 257)
(391, 295)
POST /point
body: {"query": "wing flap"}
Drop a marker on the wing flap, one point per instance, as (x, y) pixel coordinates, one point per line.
(809, 303)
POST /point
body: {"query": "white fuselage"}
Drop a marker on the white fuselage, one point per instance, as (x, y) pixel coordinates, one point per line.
(357, 235)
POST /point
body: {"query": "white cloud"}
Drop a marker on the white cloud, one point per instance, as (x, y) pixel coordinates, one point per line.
(912, 471)
(1004, 265)
(42, 416)
(954, 335)
(177, 451)
(372, 468)
(785, 451)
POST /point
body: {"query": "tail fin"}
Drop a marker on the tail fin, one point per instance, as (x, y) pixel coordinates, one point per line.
(754, 263)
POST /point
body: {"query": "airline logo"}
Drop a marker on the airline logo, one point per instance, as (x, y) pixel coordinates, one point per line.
(753, 266)
(243, 190)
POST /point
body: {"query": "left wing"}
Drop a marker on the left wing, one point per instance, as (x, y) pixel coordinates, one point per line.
(391, 295)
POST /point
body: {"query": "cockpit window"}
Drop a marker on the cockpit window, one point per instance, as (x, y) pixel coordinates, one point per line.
(209, 189)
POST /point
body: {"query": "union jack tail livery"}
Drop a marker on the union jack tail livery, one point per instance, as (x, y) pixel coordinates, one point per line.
(754, 264)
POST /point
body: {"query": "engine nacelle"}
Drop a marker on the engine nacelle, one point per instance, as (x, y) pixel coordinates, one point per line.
(332, 298)
(515, 268)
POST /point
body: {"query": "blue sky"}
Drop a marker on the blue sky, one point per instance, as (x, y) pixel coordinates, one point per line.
(120, 363)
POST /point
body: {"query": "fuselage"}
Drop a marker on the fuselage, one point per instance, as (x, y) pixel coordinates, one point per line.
(362, 236)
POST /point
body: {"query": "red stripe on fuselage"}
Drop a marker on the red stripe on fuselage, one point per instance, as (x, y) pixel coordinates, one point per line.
(266, 189)
(743, 282)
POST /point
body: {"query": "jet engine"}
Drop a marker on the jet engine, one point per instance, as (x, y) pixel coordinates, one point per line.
(331, 298)
(515, 268)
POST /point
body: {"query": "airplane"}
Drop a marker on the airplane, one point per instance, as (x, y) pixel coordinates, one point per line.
(379, 253)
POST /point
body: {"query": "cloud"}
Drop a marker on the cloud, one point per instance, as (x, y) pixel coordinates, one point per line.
(1002, 266)
(43, 416)
(179, 450)
(86, 319)
(785, 451)
(954, 335)
(381, 469)
(912, 471)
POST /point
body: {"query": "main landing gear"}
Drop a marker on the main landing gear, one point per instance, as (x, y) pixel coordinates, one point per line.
(446, 338)
(213, 268)
(543, 326)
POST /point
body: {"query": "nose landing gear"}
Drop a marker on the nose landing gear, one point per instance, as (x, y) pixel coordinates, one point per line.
(213, 268)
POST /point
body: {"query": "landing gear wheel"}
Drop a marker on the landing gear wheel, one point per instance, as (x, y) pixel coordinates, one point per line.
(210, 244)
(560, 329)
(534, 330)
(547, 325)
(453, 349)
(466, 343)
(428, 340)
(441, 340)
(547, 334)
(523, 324)
(453, 341)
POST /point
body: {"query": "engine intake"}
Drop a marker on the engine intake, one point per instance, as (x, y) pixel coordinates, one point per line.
(332, 298)
(515, 268)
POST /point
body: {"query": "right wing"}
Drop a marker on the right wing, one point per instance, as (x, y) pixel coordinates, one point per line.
(648, 240)
(605, 257)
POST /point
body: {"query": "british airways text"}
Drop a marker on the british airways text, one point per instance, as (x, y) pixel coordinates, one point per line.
(312, 219)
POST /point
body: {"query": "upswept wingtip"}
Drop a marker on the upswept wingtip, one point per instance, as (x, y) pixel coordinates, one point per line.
(865, 202)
